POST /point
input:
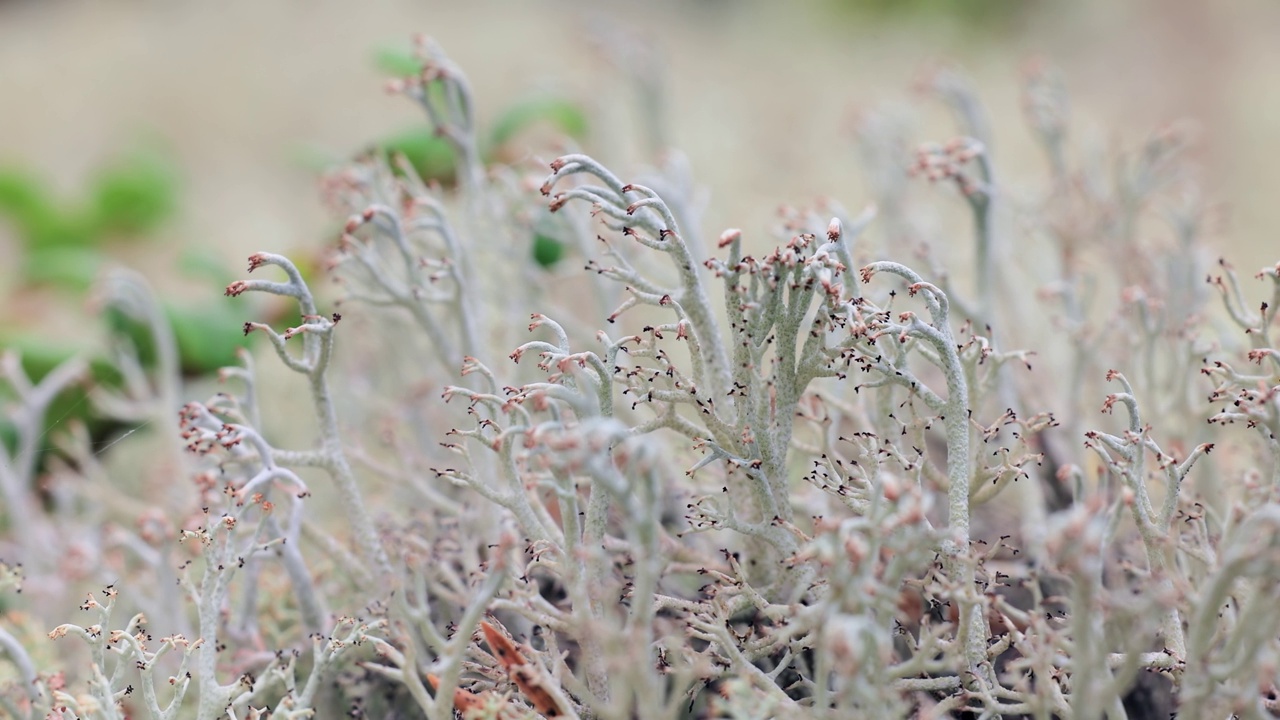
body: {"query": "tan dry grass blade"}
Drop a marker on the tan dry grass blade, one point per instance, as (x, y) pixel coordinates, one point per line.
(525, 675)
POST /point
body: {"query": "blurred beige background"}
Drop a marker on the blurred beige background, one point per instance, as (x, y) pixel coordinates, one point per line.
(761, 94)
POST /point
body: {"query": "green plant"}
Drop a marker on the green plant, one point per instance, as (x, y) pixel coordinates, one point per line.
(65, 246)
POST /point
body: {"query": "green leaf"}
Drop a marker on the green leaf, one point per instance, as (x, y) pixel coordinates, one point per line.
(564, 116)
(69, 267)
(397, 62)
(431, 155)
(39, 358)
(23, 198)
(135, 194)
(208, 336)
(37, 217)
(547, 251)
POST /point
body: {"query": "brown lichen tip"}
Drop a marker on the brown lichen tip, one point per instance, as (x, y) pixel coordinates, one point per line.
(503, 649)
(523, 674)
(463, 700)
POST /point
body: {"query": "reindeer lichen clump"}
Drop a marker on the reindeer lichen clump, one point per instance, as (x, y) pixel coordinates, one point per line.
(813, 481)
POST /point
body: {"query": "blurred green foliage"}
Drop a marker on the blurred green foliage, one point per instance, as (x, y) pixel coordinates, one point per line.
(547, 250)
(431, 156)
(128, 199)
(133, 196)
(562, 115)
(40, 221)
(40, 356)
(69, 267)
(985, 15)
(397, 62)
(434, 159)
(64, 243)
